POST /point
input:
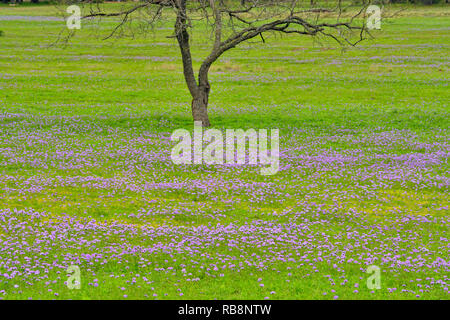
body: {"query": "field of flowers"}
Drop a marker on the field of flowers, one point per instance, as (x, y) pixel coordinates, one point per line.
(86, 177)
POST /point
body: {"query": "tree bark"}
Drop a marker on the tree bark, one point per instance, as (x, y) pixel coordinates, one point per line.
(200, 106)
(199, 92)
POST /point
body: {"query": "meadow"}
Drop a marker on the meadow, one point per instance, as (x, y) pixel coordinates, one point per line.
(86, 177)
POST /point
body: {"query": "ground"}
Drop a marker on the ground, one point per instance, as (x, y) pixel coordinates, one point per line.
(86, 177)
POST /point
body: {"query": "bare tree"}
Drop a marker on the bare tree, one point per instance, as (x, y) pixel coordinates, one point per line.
(233, 22)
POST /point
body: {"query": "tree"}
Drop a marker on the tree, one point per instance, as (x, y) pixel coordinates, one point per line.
(235, 21)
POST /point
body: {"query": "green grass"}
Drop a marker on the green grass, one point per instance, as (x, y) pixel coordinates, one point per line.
(99, 95)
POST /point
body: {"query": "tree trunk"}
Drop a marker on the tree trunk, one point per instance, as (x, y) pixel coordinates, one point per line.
(199, 92)
(200, 106)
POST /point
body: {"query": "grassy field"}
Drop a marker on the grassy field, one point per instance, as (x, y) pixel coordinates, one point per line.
(86, 177)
